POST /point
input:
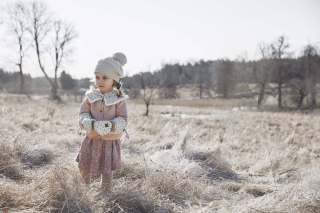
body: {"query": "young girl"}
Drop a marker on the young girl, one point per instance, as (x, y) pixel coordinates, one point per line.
(103, 115)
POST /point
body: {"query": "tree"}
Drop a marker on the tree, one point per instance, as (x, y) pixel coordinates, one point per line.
(41, 24)
(17, 25)
(169, 81)
(261, 70)
(64, 34)
(66, 81)
(148, 91)
(299, 91)
(203, 77)
(279, 50)
(310, 57)
(223, 75)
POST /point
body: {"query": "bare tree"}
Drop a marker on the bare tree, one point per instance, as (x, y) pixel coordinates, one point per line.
(279, 50)
(203, 77)
(299, 91)
(148, 92)
(17, 26)
(168, 79)
(310, 56)
(64, 34)
(261, 70)
(223, 76)
(40, 25)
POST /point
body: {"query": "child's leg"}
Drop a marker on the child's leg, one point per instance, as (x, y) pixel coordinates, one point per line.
(86, 176)
(106, 181)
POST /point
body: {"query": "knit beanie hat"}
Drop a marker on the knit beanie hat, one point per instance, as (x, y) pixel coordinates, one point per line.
(112, 66)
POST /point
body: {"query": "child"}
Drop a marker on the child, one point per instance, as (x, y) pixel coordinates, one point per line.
(103, 115)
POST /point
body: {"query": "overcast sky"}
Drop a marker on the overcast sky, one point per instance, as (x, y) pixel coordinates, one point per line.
(153, 32)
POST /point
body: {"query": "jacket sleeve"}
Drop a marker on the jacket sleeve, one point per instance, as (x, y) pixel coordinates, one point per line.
(85, 106)
(85, 118)
(121, 118)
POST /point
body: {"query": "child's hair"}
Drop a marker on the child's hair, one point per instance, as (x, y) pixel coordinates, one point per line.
(115, 84)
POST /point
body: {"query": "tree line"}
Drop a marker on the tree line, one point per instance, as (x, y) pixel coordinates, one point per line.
(276, 72)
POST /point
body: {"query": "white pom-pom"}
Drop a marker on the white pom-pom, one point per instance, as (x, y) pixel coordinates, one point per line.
(120, 57)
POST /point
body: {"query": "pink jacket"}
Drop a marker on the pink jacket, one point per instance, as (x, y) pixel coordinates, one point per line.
(105, 109)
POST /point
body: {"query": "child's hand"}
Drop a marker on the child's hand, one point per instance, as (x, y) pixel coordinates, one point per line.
(92, 134)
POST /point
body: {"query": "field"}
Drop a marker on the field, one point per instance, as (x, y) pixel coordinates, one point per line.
(181, 158)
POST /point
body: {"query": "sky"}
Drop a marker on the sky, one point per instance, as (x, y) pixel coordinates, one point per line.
(154, 32)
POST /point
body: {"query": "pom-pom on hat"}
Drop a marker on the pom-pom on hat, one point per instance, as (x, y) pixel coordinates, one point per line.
(112, 66)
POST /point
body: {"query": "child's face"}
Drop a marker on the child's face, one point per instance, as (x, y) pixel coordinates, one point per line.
(103, 82)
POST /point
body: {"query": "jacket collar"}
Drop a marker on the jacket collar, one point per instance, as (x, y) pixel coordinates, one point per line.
(109, 98)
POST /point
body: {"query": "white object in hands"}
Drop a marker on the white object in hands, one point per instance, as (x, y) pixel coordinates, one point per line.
(102, 127)
(86, 121)
(120, 124)
(87, 124)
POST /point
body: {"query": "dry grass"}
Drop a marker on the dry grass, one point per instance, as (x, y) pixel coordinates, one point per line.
(178, 159)
(10, 166)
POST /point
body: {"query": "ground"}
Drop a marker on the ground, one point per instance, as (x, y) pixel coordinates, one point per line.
(181, 158)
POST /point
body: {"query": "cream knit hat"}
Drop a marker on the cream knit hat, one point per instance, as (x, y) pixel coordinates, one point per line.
(112, 66)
